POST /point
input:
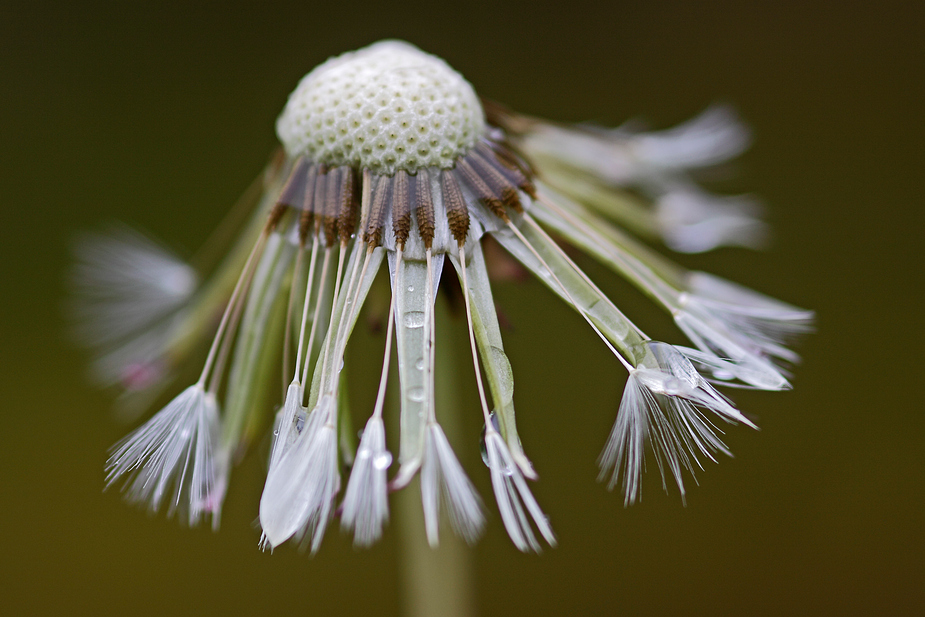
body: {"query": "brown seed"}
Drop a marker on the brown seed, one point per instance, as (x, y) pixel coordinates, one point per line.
(481, 189)
(423, 204)
(457, 213)
(496, 180)
(378, 212)
(349, 204)
(401, 208)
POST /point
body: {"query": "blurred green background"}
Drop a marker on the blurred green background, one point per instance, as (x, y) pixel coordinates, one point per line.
(161, 114)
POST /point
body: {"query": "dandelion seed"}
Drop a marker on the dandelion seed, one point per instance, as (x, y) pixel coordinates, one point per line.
(366, 506)
(300, 490)
(513, 495)
(662, 405)
(172, 454)
(390, 157)
(124, 283)
(444, 481)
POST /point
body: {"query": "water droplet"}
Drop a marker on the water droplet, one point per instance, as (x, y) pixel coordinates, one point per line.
(416, 394)
(673, 386)
(484, 448)
(419, 365)
(410, 287)
(414, 319)
(382, 460)
(341, 367)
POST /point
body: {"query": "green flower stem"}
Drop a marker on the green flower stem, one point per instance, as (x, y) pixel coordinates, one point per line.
(436, 582)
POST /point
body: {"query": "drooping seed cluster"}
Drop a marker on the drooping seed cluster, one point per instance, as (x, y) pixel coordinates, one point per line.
(392, 160)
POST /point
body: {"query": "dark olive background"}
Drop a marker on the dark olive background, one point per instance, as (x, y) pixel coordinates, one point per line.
(161, 115)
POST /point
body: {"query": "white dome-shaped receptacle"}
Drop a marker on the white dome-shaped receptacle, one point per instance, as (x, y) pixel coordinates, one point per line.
(385, 107)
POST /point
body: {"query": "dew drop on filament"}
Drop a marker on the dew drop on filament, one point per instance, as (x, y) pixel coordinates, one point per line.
(483, 448)
(416, 394)
(414, 319)
(382, 460)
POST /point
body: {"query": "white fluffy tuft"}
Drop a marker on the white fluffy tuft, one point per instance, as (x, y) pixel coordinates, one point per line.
(123, 282)
(741, 329)
(443, 479)
(172, 452)
(300, 489)
(513, 494)
(366, 502)
(662, 406)
(693, 221)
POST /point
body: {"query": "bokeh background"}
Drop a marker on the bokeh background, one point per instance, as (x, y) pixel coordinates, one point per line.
(161, 114)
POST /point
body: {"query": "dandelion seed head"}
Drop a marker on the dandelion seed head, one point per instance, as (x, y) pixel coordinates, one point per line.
(390, 158)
